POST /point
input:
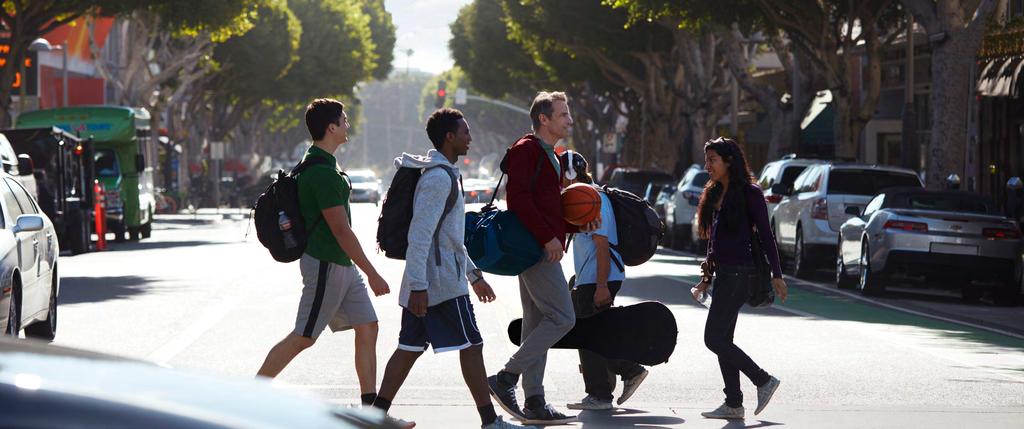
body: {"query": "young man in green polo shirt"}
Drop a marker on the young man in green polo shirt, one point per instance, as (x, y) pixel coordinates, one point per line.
(333, 292)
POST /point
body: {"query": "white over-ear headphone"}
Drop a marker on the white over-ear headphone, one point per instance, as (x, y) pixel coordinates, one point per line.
(571, 174)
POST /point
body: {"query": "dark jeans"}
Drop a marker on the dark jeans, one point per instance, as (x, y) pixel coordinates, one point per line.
(731, 289)
(599, 373)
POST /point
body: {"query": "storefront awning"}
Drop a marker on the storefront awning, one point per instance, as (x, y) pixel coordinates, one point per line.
(1001, 77)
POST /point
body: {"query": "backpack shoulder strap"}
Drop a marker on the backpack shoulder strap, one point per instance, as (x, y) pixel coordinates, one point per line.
(448, 206)
(309, 162)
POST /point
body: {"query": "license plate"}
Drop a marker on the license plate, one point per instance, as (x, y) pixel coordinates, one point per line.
(954, 249)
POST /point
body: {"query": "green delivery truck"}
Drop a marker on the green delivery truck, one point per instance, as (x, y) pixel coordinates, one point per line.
(124, 151)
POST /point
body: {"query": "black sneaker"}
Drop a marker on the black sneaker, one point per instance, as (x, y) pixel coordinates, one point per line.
(504, 393)
(546, 415)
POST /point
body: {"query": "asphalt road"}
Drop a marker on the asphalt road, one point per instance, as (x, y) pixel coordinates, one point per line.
(206, 296)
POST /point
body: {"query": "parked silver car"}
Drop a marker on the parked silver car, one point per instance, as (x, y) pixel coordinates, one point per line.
(784, 171)
(807, 220)
(366, 187)
(949, 238)
(28, 264)
(680, 212)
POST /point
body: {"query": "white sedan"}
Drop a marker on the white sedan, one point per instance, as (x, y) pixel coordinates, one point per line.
(28, 264)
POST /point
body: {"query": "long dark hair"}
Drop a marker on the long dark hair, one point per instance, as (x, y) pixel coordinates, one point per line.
(733, 207)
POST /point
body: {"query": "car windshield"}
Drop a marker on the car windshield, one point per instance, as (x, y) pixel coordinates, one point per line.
(700, 179)
(636, 182)
(868, 182)
(947, 203)
(106, 163)
(790, 174)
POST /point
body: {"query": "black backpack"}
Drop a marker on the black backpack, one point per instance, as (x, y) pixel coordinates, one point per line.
(283, 195)
(396, 212)
(638, 225)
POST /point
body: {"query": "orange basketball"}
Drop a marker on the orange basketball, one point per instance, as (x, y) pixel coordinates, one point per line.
(580, 204)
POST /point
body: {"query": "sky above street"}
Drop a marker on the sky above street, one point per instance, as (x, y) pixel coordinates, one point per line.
(422, 25)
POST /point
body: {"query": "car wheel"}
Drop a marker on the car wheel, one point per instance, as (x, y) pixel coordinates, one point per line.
(801, 266)
(14, 311)
(843, 280)
(147, 229)
(667, 240)
(971, 294)
(681, 238)
(119, 232)
(870, 282)
(1009, 294)
(46, 329)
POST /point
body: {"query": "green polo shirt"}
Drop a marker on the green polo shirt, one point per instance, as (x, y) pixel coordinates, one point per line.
(322, 187)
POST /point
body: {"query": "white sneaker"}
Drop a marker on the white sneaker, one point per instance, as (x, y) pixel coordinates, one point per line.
(724, 412)
(502, 424)
(399, 422)
(590, 403)
(629, 386)
(765, 393)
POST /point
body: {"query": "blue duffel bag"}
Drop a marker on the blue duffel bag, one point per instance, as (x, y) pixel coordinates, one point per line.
(497, 242)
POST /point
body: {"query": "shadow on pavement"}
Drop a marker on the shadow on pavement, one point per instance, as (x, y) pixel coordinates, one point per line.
(78, 290)
(626, 418)
(742, 424)
(151, 245)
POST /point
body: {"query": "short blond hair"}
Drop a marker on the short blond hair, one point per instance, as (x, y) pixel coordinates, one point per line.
(542, 104)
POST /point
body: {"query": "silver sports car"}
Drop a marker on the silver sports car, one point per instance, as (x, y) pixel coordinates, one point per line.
(950, 239)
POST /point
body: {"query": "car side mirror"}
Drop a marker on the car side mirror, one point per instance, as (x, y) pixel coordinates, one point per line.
(140, 163)
(28, 223)
(25, 165)
(780, 189)
(853, 211)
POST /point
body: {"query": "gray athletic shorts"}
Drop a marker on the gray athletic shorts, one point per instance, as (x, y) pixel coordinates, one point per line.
(332, 295)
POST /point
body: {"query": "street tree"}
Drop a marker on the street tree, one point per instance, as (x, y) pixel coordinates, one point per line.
(26, 20)
(166, 49)
(498, 67)
(834, 34)
(382, 33)
(744, 33)
(956, 29)
(676, 72)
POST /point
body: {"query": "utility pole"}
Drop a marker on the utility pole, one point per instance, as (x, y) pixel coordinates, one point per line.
(908, 142)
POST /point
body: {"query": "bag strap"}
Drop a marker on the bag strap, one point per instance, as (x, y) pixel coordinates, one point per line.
(448, 206)
(533, 180)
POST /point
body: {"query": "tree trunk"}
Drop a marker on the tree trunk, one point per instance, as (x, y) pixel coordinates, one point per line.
(951, 65)
(843, 127)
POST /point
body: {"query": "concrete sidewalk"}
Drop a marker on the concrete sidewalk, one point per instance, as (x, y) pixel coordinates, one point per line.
(464, 416)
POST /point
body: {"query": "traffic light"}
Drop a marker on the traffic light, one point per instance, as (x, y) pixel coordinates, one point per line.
(441, 93)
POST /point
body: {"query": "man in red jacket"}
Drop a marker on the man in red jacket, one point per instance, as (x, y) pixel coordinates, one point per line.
(534, 195)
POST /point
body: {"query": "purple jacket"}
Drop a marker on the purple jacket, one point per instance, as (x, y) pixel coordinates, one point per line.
(734, 249)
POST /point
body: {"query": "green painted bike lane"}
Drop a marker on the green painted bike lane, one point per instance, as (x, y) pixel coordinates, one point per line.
(835, 306)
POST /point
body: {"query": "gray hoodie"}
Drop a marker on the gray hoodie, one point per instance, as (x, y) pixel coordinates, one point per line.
(448, 279)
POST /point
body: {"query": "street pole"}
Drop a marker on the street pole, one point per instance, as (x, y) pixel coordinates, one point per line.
(908, 144)
(64, 69)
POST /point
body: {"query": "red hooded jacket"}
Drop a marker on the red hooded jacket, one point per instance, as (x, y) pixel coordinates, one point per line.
(538, 207)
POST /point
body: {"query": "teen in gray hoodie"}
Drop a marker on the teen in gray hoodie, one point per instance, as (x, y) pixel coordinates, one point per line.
(436, 308)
